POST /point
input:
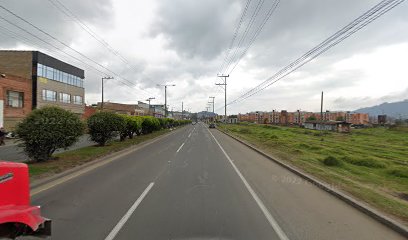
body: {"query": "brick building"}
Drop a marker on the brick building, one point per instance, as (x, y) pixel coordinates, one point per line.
(89, 111)
(299, 117)
(53, 82)
(15, 99)
(120, 108)
(360, 119)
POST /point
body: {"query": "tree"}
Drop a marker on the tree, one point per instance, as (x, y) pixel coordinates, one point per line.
(311, 118)
(47, 129)
(104, 126)
(339, 118)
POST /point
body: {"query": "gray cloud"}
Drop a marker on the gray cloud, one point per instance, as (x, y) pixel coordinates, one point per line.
(199, 33)
(44, 15)
(196, 28)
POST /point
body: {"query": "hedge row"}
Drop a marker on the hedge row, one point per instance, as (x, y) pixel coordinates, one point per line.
(49, 128)
(104, 126)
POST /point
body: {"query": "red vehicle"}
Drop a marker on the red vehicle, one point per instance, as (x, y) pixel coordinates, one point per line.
(17, 216)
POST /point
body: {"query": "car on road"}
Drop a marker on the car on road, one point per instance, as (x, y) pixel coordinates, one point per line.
(212, 125)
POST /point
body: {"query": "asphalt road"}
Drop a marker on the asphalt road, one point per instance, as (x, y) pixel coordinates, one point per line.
(195, 184)
(12, 153)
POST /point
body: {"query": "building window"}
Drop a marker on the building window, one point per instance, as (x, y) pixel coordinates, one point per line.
(65, 97)
(49, 95)
(59, 76)
(15, 99)
(78, 100)
(40, 70)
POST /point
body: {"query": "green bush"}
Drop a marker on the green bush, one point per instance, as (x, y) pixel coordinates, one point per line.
(331, 161)
(133, 125)
(150, 124)
(47, 129)
(104, 126)
(170, 122)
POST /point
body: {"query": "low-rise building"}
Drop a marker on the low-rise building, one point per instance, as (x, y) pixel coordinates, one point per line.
(158, 110)
(335, 126)
(53, 82)
(15, 99)
(119, 108)
(89, 111)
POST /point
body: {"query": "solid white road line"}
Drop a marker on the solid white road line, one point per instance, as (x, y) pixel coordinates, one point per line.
(189, 135)
(178, 150)
(129, 213)
(274, 224)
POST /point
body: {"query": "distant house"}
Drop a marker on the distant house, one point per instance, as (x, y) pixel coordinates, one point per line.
(334, 126)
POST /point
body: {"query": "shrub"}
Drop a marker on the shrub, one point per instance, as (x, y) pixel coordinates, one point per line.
(104, 126)
(170, 122)
(163, 122)
(150, 124)
(47, 129)
(133, 124)
(331, 161)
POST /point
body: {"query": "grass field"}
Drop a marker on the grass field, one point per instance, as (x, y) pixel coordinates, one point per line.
(66, 160)
(370, 164)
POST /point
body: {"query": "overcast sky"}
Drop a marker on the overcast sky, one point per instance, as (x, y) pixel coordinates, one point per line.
(184, 42)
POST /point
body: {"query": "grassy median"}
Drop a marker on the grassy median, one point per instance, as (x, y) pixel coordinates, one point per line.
(370, 164)
(67, 160)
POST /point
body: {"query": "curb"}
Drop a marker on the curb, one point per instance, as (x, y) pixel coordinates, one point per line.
(101, 160)
(391, 223)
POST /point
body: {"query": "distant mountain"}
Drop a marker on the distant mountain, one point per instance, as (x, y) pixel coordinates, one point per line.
(394, 109)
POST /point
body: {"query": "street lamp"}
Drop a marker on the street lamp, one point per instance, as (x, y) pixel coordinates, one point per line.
(103, 78)
(165, 95)
(213, 103)
(149, 99)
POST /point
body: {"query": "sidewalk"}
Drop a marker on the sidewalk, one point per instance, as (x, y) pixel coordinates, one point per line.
(11, 151)
(10, 142)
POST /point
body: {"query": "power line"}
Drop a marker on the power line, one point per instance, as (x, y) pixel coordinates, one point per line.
(65, 10)
(257, 32)
(235, 33)
(356, 25)
(244, 35)
(64, 44)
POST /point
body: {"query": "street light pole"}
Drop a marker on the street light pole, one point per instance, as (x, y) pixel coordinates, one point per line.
(225, 90)
(165, 96)
(103, 78)
(213, 103)
(149, 99)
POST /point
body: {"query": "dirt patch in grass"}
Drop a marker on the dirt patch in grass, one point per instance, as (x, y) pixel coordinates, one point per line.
(403, 196)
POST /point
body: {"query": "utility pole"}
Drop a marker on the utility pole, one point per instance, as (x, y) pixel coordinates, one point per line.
(225, 90)
(182, 112)
(213, 103)
(165, 96)
(321, 108)
(103, 78)
(149, 99)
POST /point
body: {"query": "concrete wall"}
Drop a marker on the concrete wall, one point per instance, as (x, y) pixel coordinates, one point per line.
(44, 83)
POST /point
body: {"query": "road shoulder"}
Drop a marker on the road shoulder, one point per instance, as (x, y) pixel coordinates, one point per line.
(373, 213)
